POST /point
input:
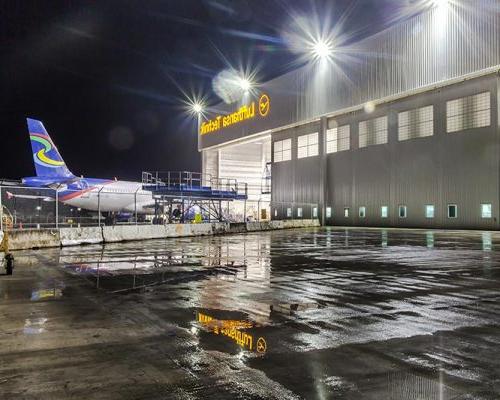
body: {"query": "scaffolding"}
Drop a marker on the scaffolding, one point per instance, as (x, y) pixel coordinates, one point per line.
(182, 196)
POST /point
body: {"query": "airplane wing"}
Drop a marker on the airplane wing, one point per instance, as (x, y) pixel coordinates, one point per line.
(29, 196)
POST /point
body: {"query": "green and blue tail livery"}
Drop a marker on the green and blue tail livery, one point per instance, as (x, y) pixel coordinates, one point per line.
(48, 161)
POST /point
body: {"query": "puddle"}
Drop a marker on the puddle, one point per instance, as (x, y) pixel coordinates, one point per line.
(126, 276)
(239, 331)
(34, 326)
(408, 386)
(291, 308)
(46, 294)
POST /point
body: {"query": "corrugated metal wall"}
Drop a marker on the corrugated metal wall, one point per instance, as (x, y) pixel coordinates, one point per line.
(437, 45)
(296, 181)
(461, 168)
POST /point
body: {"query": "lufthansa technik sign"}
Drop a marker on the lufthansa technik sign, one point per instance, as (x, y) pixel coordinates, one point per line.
(244, 113)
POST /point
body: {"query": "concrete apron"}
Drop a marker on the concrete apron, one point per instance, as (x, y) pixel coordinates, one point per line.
(35, 239)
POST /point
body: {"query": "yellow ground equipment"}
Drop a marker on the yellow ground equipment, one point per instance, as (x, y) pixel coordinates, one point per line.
(7, 220)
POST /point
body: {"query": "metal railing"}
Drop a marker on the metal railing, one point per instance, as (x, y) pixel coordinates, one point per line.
(175, 179)
(192, 180)
(38, 208)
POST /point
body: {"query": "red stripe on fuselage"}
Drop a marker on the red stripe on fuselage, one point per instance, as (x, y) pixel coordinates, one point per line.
(81, 192)
(76, 194)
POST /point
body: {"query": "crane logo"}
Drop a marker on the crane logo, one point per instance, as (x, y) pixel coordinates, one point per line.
(261, 345)
(264, 105)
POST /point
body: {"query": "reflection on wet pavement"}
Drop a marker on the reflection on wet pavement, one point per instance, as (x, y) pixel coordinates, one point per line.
(237, 330)
(315, 314)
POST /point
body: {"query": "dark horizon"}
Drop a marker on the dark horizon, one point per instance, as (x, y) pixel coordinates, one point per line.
(107, 79)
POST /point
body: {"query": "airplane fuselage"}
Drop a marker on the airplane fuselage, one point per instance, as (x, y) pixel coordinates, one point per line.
(98, 194)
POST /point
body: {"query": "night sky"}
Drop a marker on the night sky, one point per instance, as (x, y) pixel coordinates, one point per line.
(107, 77)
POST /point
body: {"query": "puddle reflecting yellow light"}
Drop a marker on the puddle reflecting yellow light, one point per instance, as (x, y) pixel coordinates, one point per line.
(231, 329)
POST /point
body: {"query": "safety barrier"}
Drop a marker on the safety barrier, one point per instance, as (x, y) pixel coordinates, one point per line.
(123, 233)
(45, 238)
(79, 236)
(33, 239)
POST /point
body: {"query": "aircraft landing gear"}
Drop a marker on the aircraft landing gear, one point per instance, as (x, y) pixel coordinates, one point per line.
(109, 219)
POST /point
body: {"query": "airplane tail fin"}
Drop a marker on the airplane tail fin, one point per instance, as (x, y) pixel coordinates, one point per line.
(48, 161)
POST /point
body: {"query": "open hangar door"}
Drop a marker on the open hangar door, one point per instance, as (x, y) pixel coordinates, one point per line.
(247, 162)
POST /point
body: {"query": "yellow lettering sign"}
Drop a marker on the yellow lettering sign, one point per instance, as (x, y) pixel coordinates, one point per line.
(244, 113)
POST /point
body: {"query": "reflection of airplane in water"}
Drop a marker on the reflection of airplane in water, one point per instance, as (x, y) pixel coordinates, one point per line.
(130, 269)
(88, 193)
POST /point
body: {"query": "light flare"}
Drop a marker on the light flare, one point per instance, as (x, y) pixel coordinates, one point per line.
(322, 49)
(197, 108)
(232, 85)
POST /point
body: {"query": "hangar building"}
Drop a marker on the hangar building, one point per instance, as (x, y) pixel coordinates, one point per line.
(400, 131)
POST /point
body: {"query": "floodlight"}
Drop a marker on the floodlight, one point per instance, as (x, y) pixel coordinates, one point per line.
(440, 3)
(245, 84)
(321, 49)
(441, 8)
(197, 108)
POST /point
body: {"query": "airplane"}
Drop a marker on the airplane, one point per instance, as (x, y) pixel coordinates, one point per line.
(105, 195)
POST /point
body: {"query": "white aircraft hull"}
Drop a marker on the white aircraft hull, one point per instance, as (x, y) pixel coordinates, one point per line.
(118, 196)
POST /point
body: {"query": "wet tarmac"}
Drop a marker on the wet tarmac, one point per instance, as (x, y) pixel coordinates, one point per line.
(299, 314)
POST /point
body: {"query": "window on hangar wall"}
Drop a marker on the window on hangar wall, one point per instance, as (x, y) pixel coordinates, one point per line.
(384, 211)
(307, 145)
(468, 112)
(416, 123)
(402, 211)
(486, 211)
(338, 139)
(452, 211)
(429, 211)
(282, 150)
(362, 212)
(373, 132)
(328, 212)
